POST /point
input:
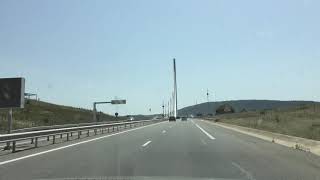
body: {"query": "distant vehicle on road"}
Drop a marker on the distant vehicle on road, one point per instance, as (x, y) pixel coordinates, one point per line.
(178, 117)
(184, 118)
(172, 118)
(157, 118)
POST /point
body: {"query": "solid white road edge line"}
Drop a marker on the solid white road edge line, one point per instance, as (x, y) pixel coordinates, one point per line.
(75, 144)
(146, 144)
(205, 132)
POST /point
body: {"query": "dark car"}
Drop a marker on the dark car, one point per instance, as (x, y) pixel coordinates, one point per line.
(172, 118)
(184, 118)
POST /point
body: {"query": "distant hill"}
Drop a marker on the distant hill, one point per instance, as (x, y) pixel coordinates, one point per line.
(239, 105)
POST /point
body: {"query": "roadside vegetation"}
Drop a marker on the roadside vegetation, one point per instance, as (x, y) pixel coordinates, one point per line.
(302, 121)
(38, 113)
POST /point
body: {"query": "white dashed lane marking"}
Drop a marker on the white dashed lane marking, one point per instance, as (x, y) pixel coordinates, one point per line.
(146, 144)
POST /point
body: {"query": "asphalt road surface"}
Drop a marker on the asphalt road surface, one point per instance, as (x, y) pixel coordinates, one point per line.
(167, 150)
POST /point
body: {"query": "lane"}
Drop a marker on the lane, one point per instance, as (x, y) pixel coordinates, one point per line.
(64, 136)
(48, 146)
(184, 151)
(110, 156)
(171, 149)
(178, 152)
(205, 132)
(264, 160)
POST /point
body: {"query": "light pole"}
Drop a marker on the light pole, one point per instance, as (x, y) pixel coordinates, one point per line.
(175, 96)
(208, 102)
(172, 105)
(168, 109)
(162, 109)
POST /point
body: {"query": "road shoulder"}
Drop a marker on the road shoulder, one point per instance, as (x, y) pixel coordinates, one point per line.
(285, 140)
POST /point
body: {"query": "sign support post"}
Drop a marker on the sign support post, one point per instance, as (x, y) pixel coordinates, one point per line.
(94, 112)
(9, 128)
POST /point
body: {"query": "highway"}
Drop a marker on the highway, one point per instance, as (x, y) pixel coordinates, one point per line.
(167, 150)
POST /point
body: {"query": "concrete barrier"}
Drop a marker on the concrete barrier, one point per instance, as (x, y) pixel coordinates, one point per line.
(304, 144)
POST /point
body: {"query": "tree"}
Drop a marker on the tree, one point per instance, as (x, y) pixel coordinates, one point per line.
(225, 109)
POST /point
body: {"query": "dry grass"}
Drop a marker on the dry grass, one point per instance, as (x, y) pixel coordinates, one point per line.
(37, 113)
(302, 121)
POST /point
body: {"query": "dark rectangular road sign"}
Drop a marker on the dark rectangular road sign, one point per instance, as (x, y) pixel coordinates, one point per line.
(118, 102)
(12, 92)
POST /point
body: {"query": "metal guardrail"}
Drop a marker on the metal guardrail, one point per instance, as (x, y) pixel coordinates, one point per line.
(39, 128)
(35, 135)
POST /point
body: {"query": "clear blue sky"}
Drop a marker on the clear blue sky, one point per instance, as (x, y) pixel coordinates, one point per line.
(75, 52)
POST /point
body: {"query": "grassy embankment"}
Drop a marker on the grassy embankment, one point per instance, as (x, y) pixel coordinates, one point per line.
(302, 121)
(38, 113)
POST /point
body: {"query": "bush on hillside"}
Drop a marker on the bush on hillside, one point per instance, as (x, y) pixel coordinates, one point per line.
(225, 109)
